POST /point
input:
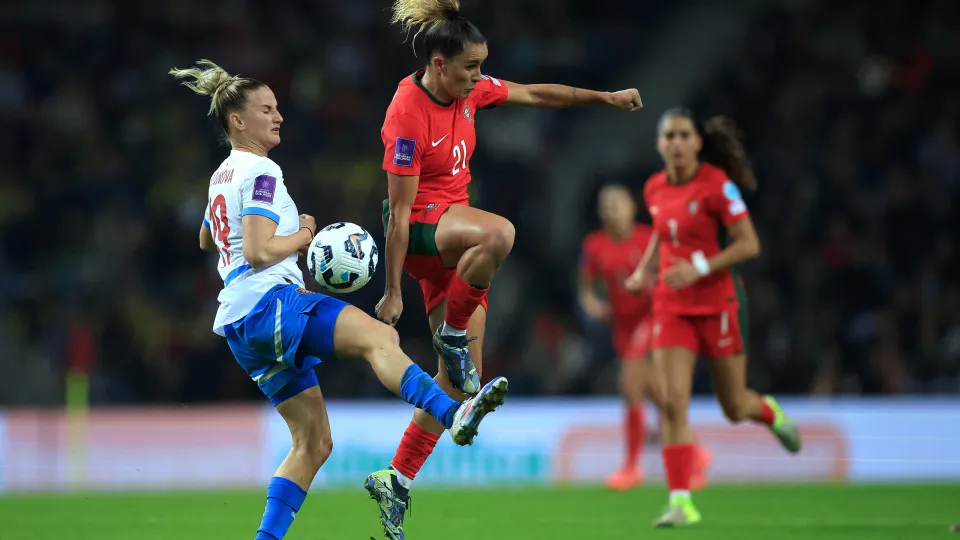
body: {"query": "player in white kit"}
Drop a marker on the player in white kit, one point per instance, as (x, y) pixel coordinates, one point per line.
(277, 330)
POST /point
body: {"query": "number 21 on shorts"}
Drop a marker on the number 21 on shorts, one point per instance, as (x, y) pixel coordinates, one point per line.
(460, 157)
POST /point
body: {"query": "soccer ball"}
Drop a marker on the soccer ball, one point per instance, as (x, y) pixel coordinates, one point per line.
(342, 257)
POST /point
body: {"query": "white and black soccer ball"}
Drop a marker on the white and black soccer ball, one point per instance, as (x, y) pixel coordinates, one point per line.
(342, 257)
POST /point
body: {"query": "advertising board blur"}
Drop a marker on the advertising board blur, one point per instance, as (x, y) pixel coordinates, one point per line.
(528, 441)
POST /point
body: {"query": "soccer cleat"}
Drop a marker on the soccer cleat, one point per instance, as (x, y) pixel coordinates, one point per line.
(455, 351)
(471, 412)
(783, 427)
(624, 479)
(680, 513)
(382, 488)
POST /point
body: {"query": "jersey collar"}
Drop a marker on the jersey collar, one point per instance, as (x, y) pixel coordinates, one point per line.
(418, 80)
(683, 181)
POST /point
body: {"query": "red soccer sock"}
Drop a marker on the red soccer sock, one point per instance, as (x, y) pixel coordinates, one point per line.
(678, 461)
(767, 415)
(462, 301)
(635, 434)
(415, 447)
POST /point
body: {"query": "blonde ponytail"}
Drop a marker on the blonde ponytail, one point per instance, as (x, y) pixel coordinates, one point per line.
(227, 92)
(422, 14)
(209, 79)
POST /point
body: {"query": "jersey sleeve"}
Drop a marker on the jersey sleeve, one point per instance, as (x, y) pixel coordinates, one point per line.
(404, 138)
(258, 191)
(726, 203)
(491, 92)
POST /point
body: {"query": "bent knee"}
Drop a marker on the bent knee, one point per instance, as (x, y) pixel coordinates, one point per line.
(317, 450)
(379, 336)
(499, 238)
(674, 408)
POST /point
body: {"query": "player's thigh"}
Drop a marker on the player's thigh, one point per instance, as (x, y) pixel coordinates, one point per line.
(724, 347)
(306, 416)
(355, 334)
(676, 366)
(463, 227)
(729, 375)
(676, 347)
(654, 383)
(632, 383)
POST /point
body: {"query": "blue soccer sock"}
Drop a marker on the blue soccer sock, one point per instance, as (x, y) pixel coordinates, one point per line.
(420, 390)
(284, 498)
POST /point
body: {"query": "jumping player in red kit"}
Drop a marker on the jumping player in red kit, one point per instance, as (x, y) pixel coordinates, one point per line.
(452, 249)
(608, 256)
(702, 230)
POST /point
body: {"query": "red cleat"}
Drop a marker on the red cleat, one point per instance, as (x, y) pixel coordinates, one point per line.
(698, 479)
(624, 479)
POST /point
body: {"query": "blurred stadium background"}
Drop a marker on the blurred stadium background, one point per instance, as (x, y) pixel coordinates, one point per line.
(852, 115)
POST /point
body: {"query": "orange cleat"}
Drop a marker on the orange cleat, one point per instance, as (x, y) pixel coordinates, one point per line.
(624, 479)
(698, 479)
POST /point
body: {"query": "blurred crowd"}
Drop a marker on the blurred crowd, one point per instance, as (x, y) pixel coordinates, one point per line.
(851, 111)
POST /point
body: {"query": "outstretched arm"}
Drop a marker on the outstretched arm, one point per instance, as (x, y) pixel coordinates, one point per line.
(558, 96)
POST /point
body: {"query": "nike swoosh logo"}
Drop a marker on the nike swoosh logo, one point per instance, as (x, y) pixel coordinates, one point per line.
(435, 143)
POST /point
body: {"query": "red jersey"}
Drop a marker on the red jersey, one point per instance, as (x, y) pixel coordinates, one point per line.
(435, 140)
(612, 261)
(688, 218)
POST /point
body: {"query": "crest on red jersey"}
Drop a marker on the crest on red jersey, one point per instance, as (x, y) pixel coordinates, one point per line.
(692, 207)
(466, 114)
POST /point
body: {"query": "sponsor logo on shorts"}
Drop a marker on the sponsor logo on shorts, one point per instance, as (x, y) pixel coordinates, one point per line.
(301, 290)
(725, 342)
(430, 207)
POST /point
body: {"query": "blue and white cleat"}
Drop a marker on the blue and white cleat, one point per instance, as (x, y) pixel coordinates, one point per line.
(385, 489)
(471, 412)
(457, 363)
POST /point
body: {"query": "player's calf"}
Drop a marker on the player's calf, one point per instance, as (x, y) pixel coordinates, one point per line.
(741, 406)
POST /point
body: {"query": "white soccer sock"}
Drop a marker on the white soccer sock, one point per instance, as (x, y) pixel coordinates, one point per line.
(678, 494)
(403, 480)
(447, 330)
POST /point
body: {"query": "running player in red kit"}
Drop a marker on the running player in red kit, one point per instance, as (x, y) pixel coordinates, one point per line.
(701, 231)
(453, 250)
(608, 256)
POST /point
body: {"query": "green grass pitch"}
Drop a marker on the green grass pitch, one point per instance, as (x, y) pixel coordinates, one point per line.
(908, 512)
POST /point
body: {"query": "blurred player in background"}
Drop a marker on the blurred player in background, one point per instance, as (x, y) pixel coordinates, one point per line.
(277, 329)
(609, 255)
(453, 250)
(701, 231)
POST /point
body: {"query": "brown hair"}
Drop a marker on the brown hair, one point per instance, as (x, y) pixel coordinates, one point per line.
(439, 22)
(722, 146)
(228, 93)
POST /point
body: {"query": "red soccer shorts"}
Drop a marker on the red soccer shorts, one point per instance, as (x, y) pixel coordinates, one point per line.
(423, 261)
(632, 339)
(714, 336)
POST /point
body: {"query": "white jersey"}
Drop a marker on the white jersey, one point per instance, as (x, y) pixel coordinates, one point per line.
(248, 184)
